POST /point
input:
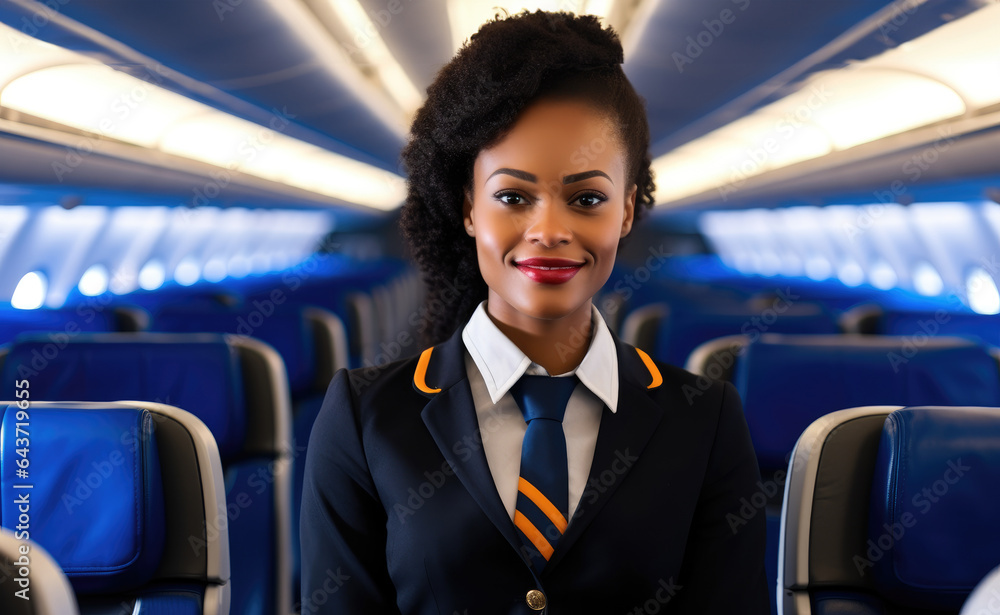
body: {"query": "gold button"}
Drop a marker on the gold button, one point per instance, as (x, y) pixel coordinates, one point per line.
(535, 600)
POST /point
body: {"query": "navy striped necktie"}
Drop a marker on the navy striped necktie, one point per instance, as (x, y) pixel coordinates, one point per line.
(543, 487)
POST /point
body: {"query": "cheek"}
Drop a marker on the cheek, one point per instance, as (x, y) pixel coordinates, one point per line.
(491, 250)
(605, 238)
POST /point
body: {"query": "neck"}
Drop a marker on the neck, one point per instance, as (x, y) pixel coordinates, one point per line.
(558, 345)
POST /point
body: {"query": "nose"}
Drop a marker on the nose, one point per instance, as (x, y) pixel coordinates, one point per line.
(548, 225)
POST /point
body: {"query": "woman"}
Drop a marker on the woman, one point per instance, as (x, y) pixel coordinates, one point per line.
(441, 485)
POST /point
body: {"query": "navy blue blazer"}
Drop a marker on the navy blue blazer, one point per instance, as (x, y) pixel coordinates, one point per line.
(400, 513)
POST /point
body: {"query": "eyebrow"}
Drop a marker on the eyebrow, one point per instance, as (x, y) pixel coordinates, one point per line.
(530, 177)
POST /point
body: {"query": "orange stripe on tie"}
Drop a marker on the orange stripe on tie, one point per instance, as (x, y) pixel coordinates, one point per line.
(655, 373)
(536, 538)
(543, 503)
(420, 375)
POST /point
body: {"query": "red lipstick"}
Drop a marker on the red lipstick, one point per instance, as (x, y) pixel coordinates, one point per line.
(549, 270)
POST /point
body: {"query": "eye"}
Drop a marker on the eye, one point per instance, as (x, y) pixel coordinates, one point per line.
(591, 199)
(510, 198)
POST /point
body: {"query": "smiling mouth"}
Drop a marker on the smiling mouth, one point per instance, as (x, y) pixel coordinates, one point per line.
(549, 270)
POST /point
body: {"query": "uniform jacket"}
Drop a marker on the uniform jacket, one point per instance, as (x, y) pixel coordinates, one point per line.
(400, 513)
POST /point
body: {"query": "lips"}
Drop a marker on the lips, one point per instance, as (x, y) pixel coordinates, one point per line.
(549, 270)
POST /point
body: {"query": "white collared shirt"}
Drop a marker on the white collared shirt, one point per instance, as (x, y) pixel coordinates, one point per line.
(494, 364)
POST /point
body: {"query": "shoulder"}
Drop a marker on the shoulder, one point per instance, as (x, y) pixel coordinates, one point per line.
(361, 389)
(674, 386)
(356, 399)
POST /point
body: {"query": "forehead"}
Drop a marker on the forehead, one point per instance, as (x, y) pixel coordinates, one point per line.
(555, 138)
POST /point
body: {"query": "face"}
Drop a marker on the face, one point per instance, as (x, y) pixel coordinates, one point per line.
(548, 206)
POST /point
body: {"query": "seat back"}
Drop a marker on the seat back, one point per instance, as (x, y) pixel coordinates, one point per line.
(60, 323)
(788, 381)
(672, 332)
(125, 496)
(983, 328)
(932, 519)
(685, 329)
(313, 345)
(283, 327)
(884, 510)
(237, 386)
(824, 518)
(31, 582)
(641, 326)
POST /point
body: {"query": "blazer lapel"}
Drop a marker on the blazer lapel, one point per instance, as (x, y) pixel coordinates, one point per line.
(450, 416)
(620, 441)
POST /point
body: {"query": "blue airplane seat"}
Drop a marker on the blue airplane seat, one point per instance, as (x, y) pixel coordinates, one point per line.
(237, 387)
(891, 510)
(788, 381)
(313, 345)
(43, 589)
(353, 305)
(59, 324)
(683, 329)
(983, 328)
(283, 327)
(115, 492)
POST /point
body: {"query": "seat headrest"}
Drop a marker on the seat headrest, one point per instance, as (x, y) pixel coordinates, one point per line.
(59, 323)
(199, 373)
(981, 327)
(86, 485)
(688, 327)
(283, 326)
(786, 382)
(933, 530)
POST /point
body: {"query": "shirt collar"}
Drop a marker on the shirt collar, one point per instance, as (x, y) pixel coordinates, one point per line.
(502, 363)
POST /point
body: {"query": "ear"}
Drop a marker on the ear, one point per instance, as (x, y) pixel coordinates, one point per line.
(629, 210)
(467, 217)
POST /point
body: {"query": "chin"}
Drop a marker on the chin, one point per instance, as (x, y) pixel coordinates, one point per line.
(553, 310)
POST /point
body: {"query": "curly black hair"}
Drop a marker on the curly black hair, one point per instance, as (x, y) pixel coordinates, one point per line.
(474, 101)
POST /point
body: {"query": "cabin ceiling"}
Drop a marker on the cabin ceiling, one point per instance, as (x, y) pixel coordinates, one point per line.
(695, 71)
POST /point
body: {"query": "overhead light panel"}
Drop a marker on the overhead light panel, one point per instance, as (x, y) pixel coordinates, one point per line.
(963, 54)
(21, 54)
(65, 89)
(377, 56)
(866, 103)
(97, 99)
(942, 76)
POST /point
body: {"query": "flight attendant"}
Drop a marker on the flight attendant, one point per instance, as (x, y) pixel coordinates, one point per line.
(527, 460)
